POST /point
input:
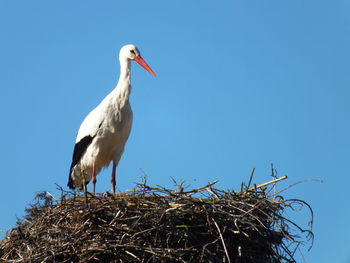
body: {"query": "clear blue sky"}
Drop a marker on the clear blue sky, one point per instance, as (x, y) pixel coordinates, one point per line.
(239, 84)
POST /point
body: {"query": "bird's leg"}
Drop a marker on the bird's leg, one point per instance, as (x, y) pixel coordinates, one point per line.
(113, 177)
(83, 179)
(94, 180)
(84, 184)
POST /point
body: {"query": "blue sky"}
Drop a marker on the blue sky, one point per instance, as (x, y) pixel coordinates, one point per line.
(240, 84)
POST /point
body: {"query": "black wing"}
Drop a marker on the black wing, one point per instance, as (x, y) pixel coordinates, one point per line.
(79, 149)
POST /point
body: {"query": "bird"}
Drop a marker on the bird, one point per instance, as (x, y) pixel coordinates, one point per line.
(105, 130)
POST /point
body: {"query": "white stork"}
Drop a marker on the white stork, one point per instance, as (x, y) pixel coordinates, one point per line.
(102, 135)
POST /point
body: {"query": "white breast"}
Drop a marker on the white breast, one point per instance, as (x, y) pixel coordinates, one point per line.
(111, 122)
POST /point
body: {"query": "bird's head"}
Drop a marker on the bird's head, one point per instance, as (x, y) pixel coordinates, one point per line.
(131, 52)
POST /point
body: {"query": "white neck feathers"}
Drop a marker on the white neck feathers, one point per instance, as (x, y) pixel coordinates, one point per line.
(123, 88)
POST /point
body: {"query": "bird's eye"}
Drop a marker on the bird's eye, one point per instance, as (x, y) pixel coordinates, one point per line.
(132, 51)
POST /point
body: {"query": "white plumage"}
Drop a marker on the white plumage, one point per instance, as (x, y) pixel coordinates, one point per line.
(102, 135)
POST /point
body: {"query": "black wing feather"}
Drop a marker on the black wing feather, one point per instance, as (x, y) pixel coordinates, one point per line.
(79, 149)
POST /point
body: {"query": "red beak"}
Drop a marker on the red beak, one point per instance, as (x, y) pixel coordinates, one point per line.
(143, 64)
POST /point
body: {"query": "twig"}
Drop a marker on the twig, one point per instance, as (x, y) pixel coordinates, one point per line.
(222, 240)
(267, 183)
(251, 177)
(274, 176)
(302, 181)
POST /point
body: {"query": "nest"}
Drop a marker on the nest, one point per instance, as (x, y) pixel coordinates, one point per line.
(154, 224)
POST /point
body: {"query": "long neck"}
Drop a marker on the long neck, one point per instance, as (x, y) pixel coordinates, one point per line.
(123, 88)
(124, 69)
